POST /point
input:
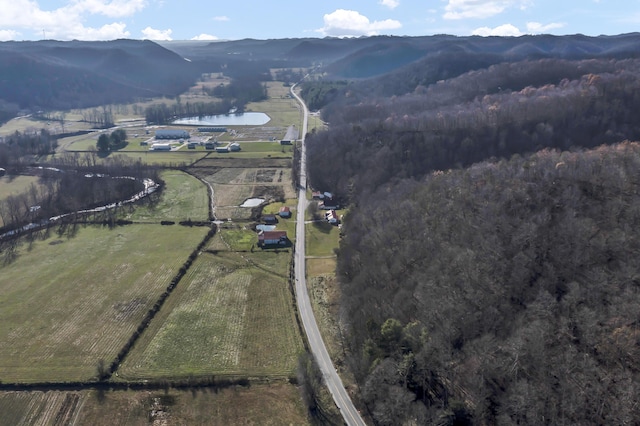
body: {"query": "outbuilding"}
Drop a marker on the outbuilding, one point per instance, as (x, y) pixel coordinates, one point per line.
(270, 219)
(285, 212)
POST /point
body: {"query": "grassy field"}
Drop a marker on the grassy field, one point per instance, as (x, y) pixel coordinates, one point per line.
(275, 404)
(230, 317)
(14, 185)
(183, 197)
(66, 303)
(321, 238)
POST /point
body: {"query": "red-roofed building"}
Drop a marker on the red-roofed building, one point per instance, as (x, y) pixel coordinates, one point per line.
(271, 238)
(284, 212)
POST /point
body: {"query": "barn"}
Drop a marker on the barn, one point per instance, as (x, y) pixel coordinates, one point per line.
(172, 134)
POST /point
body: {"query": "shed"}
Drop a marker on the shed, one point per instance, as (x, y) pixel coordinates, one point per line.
(270, 219)
(160, 147)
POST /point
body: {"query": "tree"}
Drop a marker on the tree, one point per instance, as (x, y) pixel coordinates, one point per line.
(104, 143)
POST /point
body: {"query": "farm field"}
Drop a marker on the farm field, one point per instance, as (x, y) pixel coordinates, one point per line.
(233, 185)
(228, 317)
(183, 197)
(66, 303)
(273, 404)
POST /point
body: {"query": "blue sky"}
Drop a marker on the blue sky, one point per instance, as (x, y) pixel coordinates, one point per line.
(263, 19)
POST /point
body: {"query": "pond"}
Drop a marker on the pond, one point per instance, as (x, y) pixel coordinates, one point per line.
(244, 119)
(252, 202)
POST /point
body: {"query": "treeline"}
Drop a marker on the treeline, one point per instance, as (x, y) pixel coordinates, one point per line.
(241, 91)
(79, 184)
(497, 292)
(407, 137)
(15, 147)
(318, 94)
(504, 293)
(165, 114)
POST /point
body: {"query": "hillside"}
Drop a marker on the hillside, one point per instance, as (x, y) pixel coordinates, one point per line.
(486, 265)
(63, 75)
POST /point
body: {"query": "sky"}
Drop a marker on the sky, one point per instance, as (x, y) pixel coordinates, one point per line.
(271, 19)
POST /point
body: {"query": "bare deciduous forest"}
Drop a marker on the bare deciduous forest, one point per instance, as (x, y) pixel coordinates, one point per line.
(488, 264)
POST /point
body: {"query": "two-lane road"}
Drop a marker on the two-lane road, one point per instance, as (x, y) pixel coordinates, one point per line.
(316, 344)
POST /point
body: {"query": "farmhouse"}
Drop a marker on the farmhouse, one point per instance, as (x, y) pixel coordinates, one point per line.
(172, 134)
(332, 217)
(284, 212)
(273, 238)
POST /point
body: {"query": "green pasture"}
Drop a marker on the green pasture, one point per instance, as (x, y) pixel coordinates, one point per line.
(283, 110)
(14, 185)
(228, 317)
(183, 197)
(68, 301)
(321, 238)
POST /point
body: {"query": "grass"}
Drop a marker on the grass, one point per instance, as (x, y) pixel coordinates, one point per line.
(229, 317)
(13, 185)
(321, 238)
(321, 266)
(67, 303)
(183, 197)
(273, 404)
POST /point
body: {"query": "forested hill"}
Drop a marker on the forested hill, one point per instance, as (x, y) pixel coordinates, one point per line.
(488, 264)
(63, 75)
(505, 293)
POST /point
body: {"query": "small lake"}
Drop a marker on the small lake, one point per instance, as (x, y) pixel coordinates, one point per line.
(252, 202)
(244, 119)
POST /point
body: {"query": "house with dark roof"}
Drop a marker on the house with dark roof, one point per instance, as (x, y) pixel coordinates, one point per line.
(269, 219)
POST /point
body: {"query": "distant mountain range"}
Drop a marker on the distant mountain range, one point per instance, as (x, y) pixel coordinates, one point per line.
(52, 75)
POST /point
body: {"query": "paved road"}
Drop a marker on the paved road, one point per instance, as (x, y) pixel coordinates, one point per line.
(318, 349)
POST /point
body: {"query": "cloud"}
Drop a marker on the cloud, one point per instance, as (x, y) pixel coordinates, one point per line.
(349, 23)
(6, 35)
(80, 32)
(154, 34)
(506, 30)
(204, 37)
(479, 9)
(67, 22)
(112, 9)
(221, 18)
(538, 28)
(391, 4)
